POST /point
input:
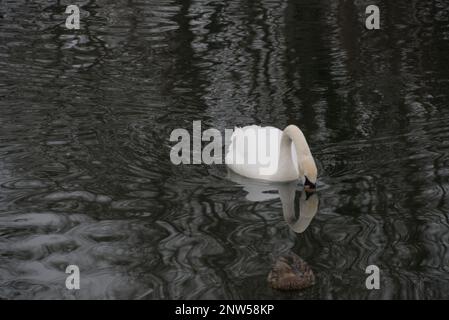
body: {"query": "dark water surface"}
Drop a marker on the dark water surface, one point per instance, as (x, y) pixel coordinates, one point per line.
(85, 120)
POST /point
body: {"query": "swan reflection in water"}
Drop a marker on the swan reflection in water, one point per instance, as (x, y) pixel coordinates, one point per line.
(289, 271)
(259, 191)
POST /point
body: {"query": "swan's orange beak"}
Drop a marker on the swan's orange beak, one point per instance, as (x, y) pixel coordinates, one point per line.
(309, 186)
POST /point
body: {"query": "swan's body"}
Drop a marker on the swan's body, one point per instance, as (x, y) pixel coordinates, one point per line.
(286, 154)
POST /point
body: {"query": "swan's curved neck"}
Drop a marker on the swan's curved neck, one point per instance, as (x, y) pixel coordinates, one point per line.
(293, 134)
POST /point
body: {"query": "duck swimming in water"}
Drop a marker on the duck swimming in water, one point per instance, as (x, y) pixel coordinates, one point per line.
(290, 272)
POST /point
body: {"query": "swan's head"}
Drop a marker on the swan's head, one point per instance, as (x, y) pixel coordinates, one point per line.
(310, 173)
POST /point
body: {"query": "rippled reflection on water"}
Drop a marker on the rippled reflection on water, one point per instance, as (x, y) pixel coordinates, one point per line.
(84, 152)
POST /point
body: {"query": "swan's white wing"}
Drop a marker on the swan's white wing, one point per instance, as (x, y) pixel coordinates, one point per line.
(240, 151)
(261, 133)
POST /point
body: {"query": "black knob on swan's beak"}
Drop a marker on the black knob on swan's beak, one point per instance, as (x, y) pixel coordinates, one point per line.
(309, 186)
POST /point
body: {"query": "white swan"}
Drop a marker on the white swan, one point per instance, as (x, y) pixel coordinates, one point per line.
(266, 153)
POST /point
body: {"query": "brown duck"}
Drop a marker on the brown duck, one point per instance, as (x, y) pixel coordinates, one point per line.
(290, 272)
